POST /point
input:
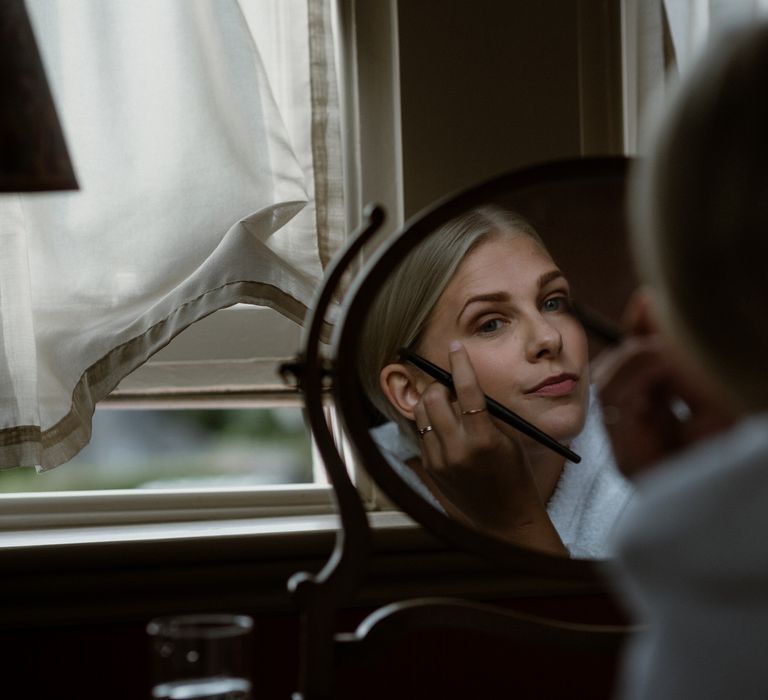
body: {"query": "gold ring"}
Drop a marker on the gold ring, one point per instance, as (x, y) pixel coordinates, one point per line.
(423, 431)
(473, 411)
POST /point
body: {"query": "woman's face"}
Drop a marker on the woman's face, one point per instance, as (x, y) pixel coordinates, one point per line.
(508, 303)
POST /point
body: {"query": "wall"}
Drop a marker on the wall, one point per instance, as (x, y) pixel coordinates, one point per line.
(492, 85)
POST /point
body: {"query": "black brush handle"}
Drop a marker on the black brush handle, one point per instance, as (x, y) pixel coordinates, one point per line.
(494, 407)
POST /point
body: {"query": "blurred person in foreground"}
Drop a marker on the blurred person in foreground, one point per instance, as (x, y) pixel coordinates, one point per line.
(687, 390)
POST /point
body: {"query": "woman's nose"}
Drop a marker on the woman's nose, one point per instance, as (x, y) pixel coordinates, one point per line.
(544, 339)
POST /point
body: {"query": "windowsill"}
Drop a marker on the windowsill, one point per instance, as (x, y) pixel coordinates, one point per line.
(260, 531)
(94, 509)
(253, 543)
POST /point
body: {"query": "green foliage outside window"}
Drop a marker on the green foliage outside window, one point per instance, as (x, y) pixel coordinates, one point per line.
(200, 448)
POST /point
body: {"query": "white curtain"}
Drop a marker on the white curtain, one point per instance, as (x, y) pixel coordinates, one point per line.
(693, 22)
(204, 135)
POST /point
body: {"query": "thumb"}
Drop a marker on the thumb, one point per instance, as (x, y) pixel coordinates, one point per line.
(640, 317)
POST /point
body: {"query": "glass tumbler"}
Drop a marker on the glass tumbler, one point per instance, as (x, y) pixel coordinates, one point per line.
(196, 657)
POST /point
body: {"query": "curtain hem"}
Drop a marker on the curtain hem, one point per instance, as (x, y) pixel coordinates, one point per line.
(325, 133)
(30, 445)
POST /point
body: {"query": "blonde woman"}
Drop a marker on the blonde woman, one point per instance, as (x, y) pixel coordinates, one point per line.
(483, 298)
(692, 550)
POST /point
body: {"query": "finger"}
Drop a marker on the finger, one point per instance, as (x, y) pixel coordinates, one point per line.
(647, 387)
(437, 402)
(625, 371)
(645, 366)
(431, 452)
(639, 317)
(469, 395)
(633, 380)
(435, 411)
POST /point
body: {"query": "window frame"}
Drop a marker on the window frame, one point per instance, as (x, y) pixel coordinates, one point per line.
(36, 511)
(367, 66)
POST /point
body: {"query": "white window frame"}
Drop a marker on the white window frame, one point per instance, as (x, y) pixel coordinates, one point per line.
(629, 70)
(367, 64)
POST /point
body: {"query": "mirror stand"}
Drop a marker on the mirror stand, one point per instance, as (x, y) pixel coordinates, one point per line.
(319, 596)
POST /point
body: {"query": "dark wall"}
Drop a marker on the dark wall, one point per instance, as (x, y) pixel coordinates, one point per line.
(491, 85)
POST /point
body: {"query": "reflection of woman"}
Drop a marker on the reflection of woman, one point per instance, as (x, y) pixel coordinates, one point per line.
(692, 549)
(482, 298)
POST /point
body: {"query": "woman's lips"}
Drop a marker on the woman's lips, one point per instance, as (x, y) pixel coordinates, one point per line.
(555, 386)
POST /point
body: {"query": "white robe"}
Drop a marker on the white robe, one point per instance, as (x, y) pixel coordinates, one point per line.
(692, 560)
(589, 496)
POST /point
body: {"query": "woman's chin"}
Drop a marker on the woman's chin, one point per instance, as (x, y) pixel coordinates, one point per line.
(563, 423)
(563, 428)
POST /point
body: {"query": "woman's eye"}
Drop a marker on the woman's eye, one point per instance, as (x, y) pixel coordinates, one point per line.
(555, 304)
(490, 326)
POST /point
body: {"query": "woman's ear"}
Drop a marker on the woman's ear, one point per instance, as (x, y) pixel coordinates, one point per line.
(398, 384)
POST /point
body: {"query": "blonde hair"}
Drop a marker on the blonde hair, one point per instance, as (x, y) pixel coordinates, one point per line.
(700, 214)
(404, 304)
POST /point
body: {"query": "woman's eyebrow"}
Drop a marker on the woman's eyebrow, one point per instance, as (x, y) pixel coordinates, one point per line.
(490, 296)
(544, 280)
(547, 277)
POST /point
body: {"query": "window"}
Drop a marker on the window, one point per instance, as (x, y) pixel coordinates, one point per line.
(661, 39)
(225, 363)
(182, 448)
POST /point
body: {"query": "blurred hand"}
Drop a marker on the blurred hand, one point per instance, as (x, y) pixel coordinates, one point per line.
(655, 402)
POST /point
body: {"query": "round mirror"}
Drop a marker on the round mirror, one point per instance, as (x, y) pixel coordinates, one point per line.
(510, 288)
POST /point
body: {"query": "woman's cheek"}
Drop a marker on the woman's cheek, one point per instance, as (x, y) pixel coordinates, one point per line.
(495, 376)
(576, 344)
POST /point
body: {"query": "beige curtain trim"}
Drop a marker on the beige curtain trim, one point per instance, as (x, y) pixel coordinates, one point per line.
(29, 445)
(326, 132)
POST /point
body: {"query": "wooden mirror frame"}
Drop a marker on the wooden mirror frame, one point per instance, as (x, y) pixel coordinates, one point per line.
(346, 349)
(319, 596)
